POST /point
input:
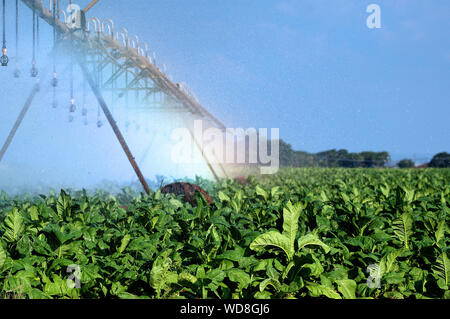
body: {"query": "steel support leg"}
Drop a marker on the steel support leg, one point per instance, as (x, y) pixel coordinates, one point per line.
(197, 144)
(114, 126)
(19, 121)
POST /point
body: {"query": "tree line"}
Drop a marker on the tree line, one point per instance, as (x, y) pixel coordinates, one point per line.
(344, 158)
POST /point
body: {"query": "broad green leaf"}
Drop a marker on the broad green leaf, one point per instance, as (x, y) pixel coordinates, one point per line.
(394, 278)
(223, 197)
(388, 261)
(14, 226)
(216, 276)
(262, 295)
(187, 277)
(176, 203)
(442, 268)
(347, 288)
(275, 191)
(34, 213)
(63, 205)
(315, 268)
(403, 228)
(239, 276)
(158, 194)
(269, 282)
(291, 214)
(275, 239)
(317, 290)
(440, 232)
(285, 241)
(124, 243)
(409, 194)
(345, 197)
(385, 190)
(312, 239)
(287, 269)
(160, 273)
(324, 196)
(261, 192)
(127, 295)
(2, 255)
(200, 272)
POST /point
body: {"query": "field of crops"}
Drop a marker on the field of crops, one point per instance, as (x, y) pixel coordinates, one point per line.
(329, 233)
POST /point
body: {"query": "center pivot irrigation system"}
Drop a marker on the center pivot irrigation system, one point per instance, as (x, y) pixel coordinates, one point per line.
(110, 60)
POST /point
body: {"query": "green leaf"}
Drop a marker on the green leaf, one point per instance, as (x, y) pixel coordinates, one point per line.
(315, 268)
(63, 205)
(345, 197)
(275, 239)
(276, 191)
(2, 255)
(261, 192)
(34, 213)
(215, 275)
(440, 231)
(124, 243)
(223, 197)
(409, 195)
(287, 269)
(160, 273)
(239, 276)
(312, 239)
(127, 295)
(394, 278)
(283, 241)
(291, 215)
(317, 290)
(347, 288)
(324, 196)
(388, 261)
(176, 203)
(262, 295)
(442, 268)
(14, 226)
(385, 190)
(269, 282)
(403, 228)
(185, 277)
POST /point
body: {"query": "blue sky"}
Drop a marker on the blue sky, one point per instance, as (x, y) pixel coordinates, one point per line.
(309, 67)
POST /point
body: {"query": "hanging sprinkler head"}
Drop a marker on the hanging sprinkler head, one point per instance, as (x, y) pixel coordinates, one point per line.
(4, 58)
(84, 110)
(54, 80)
(71, 118)
(55, 104)
(72, 106)
(99, 122)
(34, 71)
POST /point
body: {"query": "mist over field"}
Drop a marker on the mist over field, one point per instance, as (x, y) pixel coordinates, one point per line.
(49, 152)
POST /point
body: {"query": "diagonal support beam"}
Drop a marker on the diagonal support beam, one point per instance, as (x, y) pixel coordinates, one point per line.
(90, 5)
(197, 144)
(19, 120)
(114, 126)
